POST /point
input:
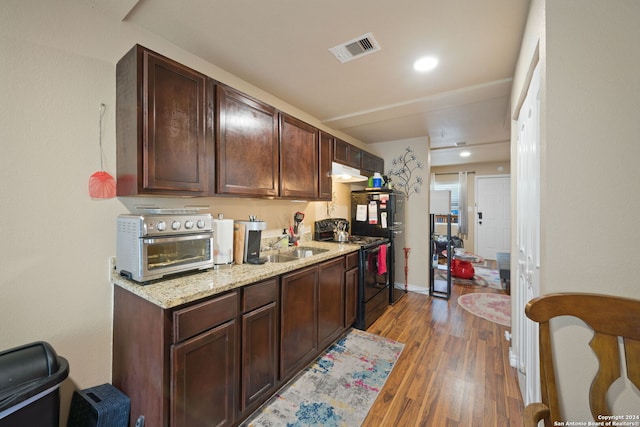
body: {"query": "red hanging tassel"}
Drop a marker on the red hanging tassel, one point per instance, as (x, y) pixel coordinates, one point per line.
(102, 186)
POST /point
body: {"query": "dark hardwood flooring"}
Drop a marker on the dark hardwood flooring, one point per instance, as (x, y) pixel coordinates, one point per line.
(454, 369)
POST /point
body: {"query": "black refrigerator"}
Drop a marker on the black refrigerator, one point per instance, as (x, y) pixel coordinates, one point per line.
(381, 213)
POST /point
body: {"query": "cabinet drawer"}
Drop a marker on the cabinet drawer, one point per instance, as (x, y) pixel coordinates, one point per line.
(192, 320)
(352, 260)
(260, 294)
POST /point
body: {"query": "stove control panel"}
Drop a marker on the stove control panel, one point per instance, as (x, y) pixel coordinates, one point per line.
(323, 229)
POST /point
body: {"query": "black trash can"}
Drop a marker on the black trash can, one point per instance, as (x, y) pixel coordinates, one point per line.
(30, 377)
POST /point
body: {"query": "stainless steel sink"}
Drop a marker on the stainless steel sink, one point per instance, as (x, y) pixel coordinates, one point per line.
(295, 254)
(280, 258)
(305, 251)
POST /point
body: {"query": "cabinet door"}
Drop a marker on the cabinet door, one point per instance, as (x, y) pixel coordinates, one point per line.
(203, 379)
(325, 191)
(341, 151)
(299, 164)
(298, 320)
(351, 297)
(370, 164)
(330, 301)
(378, 164)
(347, 154)
(246, 145)
(164, 138)
(355, 156)
(259, 354)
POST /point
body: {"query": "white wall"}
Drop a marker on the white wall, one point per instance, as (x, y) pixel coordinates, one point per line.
(417, 211)
(58, 65)
(54, 240)
(589, 191)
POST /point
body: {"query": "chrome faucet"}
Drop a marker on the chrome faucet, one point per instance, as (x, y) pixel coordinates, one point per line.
(278, 243)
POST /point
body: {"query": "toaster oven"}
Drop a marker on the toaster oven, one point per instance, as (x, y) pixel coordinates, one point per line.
(150, 247)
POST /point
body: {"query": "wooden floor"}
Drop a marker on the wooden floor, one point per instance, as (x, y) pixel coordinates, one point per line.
(454, 369)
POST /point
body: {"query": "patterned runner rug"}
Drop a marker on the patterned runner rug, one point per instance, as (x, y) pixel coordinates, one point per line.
(493, 307)
(338, 389)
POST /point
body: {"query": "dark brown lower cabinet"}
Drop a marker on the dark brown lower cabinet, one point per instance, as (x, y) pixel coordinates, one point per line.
(298, 320)
(330, 301)
(215, 361)
(178, 366)
(203, 380)
(351, 290)
(313, 312)
(259, 365)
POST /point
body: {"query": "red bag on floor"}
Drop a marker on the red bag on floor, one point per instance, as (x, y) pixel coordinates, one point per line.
(462, 269)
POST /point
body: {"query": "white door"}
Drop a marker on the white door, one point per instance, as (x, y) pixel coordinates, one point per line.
(527, 277)
(493, 215)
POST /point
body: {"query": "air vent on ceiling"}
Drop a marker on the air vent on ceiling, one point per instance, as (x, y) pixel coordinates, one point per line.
(360, 46)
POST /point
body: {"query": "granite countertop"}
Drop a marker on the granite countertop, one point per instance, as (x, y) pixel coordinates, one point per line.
(173, 292)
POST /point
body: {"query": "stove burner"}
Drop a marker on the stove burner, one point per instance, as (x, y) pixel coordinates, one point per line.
(367, 240)
(364, 239)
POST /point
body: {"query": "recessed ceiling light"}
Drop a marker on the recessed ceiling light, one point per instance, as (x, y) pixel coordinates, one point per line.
(427, 63)
(465, 154)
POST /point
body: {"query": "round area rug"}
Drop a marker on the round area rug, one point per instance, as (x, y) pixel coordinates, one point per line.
(493, 307)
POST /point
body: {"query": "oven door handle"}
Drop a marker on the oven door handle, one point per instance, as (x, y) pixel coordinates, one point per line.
(376, 249)
(201, 236)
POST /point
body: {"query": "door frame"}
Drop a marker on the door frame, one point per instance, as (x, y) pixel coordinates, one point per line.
(524, 351)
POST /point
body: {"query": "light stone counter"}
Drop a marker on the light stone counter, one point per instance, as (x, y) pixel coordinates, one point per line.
(173, 292)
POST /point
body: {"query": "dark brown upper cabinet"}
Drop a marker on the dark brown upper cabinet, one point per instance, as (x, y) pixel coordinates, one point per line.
(164, 138)
(347, 154)
(325, 182)
(371, 164)
(299, 163)
(181, 133)
(350, 155)
(246, 145)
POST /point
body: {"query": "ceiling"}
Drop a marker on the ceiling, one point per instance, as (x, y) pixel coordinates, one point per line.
(282, 47)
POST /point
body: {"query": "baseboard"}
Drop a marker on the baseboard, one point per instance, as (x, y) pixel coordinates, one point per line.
(413, 288)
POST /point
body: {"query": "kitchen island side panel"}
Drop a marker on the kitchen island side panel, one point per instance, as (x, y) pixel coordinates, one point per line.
(141, 337)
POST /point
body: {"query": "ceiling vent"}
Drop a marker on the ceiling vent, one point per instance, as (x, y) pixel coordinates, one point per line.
(360, 46)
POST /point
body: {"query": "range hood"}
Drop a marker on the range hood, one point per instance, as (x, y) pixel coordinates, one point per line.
(343, 173)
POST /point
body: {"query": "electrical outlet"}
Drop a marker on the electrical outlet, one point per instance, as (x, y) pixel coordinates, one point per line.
(112, 266)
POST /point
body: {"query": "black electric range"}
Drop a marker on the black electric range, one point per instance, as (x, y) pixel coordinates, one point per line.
(374, 262)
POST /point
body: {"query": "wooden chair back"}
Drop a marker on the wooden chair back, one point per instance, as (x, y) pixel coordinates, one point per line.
(610, 317)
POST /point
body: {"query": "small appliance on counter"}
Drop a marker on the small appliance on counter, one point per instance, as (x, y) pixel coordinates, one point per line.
(252, 235)
(222, 241)
(153, 245)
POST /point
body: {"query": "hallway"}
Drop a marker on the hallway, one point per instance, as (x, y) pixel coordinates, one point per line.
(454, 370)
